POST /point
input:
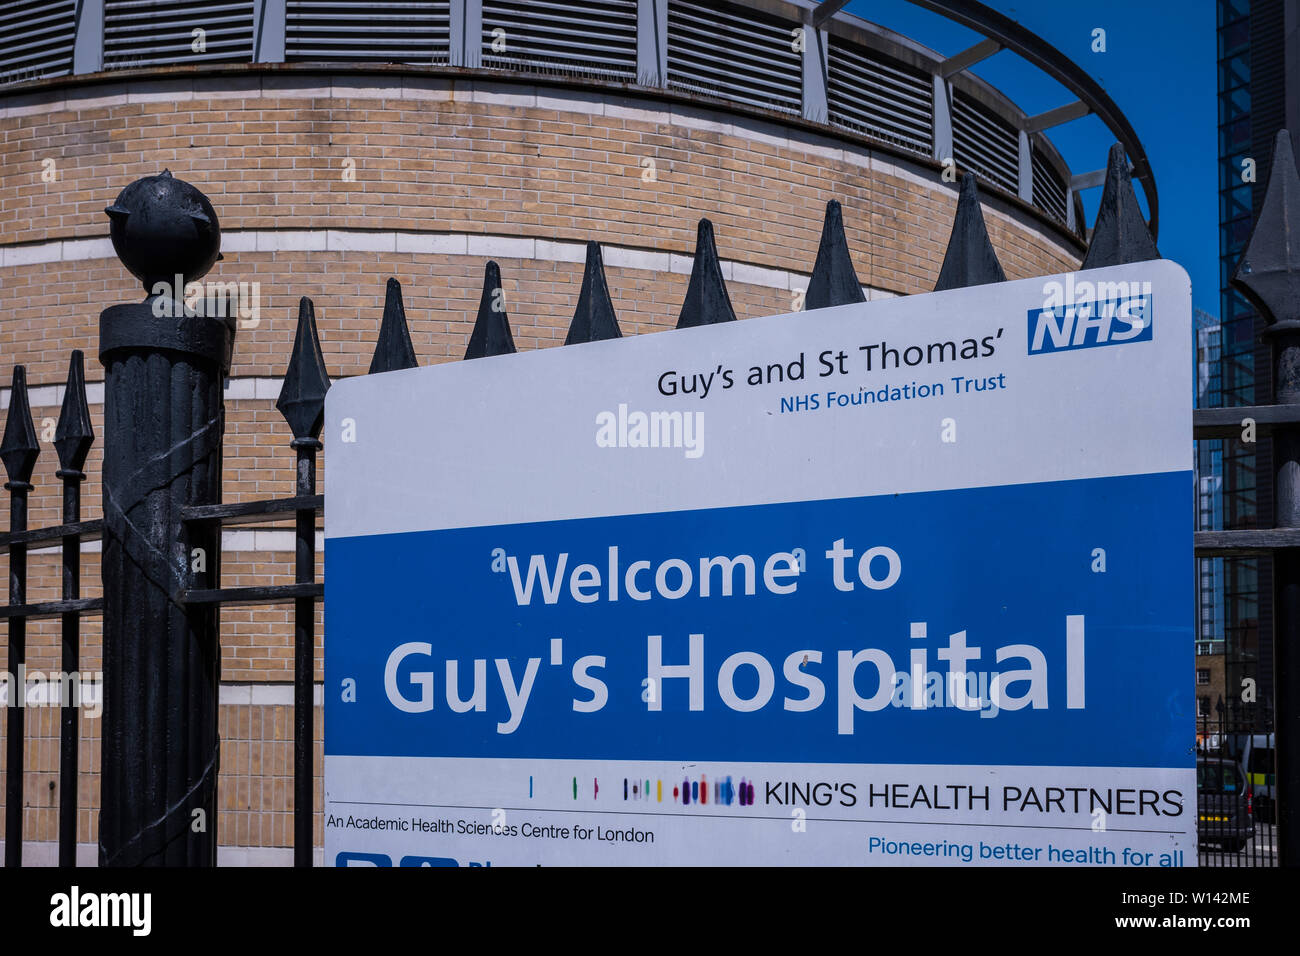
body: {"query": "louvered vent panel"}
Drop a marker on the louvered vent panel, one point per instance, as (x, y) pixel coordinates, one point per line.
(416, 31)
(36, 39)
(595, 38)
(885, 99)
(734, 53)
(985, 143)
(155, 32)
(1049, 190)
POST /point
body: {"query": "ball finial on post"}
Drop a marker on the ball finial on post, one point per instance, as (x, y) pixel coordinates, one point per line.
(163, 227)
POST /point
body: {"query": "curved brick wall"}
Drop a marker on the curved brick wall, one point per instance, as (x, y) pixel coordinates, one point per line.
(447, 175)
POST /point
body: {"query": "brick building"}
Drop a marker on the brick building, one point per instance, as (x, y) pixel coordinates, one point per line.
(417, 154)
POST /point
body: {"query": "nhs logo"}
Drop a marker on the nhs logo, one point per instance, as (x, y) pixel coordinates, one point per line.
(1087, 315)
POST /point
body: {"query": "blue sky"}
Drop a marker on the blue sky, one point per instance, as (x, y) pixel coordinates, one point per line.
(1159, 68)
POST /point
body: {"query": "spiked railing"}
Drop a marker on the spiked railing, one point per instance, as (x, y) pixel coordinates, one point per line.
(302, 403)
(19, 451)
(491, 335)
(393, 351)
(834, 280)
(594, 318)
(970, 259)
(73, 437)
(707, 301)
(1119, 234)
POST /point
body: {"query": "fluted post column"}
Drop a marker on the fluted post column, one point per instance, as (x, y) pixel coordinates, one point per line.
(163, 423)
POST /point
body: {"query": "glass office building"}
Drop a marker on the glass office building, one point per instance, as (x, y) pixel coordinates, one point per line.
(1251, 111)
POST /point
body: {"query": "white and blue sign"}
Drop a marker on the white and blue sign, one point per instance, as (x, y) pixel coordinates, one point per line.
(903, 582)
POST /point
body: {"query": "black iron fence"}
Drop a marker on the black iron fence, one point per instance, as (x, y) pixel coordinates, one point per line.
(1269, 275)
(1236, 789)
(162, 503)
(19, 450)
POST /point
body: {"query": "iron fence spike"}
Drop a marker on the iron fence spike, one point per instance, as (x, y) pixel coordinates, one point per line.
(970, 259)
(1119, 233)
(491, 335)
(74, 434)
(393, 350)
(19, 449)
(594, 318)
(1268, 272)
(707, 301)
(302, 396)
(834, 281)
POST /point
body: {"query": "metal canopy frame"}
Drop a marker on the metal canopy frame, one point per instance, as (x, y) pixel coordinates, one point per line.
(1009, 35)
(1034, 49)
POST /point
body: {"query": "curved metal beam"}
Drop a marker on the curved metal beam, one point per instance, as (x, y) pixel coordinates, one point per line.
(1034, 49)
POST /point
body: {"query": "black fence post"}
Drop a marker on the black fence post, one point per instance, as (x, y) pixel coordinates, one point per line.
(164, 420)
(73, 436)
(302, 403)
(1269, 274)
(19, 451)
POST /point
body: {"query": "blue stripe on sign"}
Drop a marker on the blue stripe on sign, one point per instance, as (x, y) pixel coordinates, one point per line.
(1006, 565)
